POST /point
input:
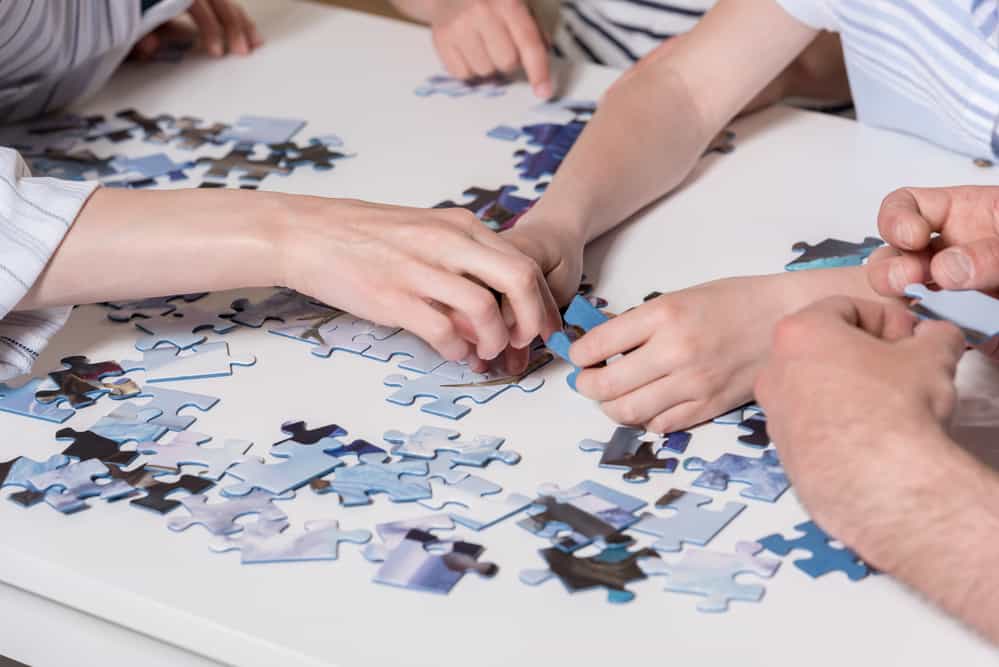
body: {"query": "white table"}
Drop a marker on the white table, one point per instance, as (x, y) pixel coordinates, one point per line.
(115, 582)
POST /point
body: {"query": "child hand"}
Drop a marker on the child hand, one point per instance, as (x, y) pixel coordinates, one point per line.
(220, 26)
(477, 38)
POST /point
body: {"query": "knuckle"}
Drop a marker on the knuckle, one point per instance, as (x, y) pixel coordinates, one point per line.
(790, 333)
(482, 307)
(624, 412)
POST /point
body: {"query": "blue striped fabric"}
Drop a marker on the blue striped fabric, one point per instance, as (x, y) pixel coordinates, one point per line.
(929, 68)
(52, 52)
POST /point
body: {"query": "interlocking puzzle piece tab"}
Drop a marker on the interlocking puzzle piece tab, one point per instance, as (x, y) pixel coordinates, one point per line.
(64, 488)
(181, 328)
(489, 86)
(711, 575)
(155, 129)
(555, 140)
(79, 165)
(124, 311)
(300, 464)
(831, 253)
(169, 402)
(825, 557)
(283, 305)
(474, 502)
(141, 172)
(202, 361)
(157, 496)
(18, 471)
(262, 130)
(240, 160)
(611, 569)
(427, 441)
(394, 532)
(499, 208)
(626, 449)
(297, 431)
(187, 449)
(87, 445)
(355, 483)
(690, 520)
(976, 313)
(421, 357)
(764, 475)
(446, 391)
(21, 401)
(580, 515)
(79, 383)
(423, 562)
(320, 541)
(220, 518)
(317, 154)
(580, 316)
(328, 333)
(192, 134)
(757, 435)
(128, 422)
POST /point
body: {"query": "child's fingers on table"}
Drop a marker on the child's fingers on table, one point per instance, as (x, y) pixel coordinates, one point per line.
(621, 334)
(232, 26)
(249, 27)
(501, 49)
(622, 376)
(677, 418)
(451, 56)
(209, 28)
(531, 46)
(642, 405)
(473, 47)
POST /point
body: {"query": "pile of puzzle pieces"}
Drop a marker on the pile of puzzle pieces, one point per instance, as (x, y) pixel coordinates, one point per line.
(259, 147)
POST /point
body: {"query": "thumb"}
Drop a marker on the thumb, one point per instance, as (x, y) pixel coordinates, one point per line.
(973, 265)
(940, 339)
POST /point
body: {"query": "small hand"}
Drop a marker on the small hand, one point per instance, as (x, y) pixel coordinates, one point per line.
(557, 252)
(478, 38)
(857, 394)
(435, 272)
(220, 26)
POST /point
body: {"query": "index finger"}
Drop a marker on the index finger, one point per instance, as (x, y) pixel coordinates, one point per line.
(532, 47)
(909, 216)
(887, 321)
(617, 336)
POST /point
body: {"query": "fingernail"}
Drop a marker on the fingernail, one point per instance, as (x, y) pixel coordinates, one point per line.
(543, 90)
(897, 278)
(956, 265)
(904, 234)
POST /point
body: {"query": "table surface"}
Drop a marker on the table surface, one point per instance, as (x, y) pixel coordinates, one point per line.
(794, 176)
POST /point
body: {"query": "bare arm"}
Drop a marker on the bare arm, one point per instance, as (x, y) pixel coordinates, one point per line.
(654, 123)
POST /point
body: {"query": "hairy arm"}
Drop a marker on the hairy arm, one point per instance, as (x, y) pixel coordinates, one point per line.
(656, 120)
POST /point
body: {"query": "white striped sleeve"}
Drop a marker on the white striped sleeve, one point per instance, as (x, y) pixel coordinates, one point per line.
(817, 14)
(35, 214)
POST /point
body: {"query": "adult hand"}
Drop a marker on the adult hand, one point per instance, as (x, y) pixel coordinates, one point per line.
(964, 254)
(478, 38)
(220, 27)
(435, 272)
(856, 395)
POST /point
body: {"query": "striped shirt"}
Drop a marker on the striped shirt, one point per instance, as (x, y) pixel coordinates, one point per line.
(924, 67)
(617, 33)
(52, 53)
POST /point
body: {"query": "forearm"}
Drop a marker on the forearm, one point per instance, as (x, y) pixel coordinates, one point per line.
(944, 542)
(129, 244)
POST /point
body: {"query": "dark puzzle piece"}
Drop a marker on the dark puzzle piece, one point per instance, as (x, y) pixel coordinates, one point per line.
(612, 569)
(283, 305)
(498, 209)
(157, 500)
(152, 129)
(88, 445)
(641, 462)
(832, 253)
(240, 161)
(316, 154)
(825, 558)
(555, 140)
(580, 317)
(757, 436)
(75, 166)
(557, 516)
(79, 383)
(423, 562)
(192, 134)
(298, 432)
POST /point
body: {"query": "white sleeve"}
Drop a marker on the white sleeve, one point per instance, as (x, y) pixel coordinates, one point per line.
(35, 214)
(817, 14)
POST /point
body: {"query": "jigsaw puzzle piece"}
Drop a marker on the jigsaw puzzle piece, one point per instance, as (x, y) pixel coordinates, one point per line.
(316, 154)
(976, 313)
(79, 383)
(139, 172)
(329, 334)
(764, 475)
(21, 401)
(154, 129)
(320, 541)
(825, 557)
(128, 422)
(488, 86)
(587, 512)
(284, 305)
(220, 518)
(473, 504)
(181, 328)
(427, 441)
(443, 467)
(355, 483)
(423, 562)
(124, 311)
(240, 160)
(87, 445)
(422, 357)
(202, 361)
(832, 253)
(612, 569)
(626, 449)
(300, 464)
(157, 496)
(757, 436)
(262, 130)
(711, 575)
(170, 402)
(18, 471)
(499, 208)
(186, 449)
(581, 315)
(64, 488)
(394, 532)
(690, 520)
(193, 134)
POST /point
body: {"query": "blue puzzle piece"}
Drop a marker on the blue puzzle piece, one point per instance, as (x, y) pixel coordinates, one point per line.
(127, 422)
(21, 401)
(764, 475)
(504, 133)
(142, 171)
(262, 130)
(353, 484)
(301, 464)
(676, 441)
(825, 558)
(447, 391)
(582, 314)
(18, 471)
(555, 140)
(976, 313)
(832, 253)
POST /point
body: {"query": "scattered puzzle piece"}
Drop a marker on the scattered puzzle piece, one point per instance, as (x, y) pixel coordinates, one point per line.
(128, 422)
(612, 569)
(627, 450)
(157, 495)
(262, 130)
(422, 357)
(21, 401)
(79, 383)
(220, 518)
(976, 313)
(764, 475)
(489, 86)
(284, 305)
(499, 209)
(316, 154)
(185, 449)
(757, 436)
(320, 541)
(332, 332)
(202, 361)
(124, 311)
(832, 253)
(240, 161)
(18, 471)
(423, 562)
(587, 512)
(87, 445)
(581, 315)
(689, 521)
(711, 575)
(170, 402)
(394, 532)
(427, 441)
(825, 557)
(354, 483)
(181, 328)
(300, 464)
(473, 502)
(64, 488)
